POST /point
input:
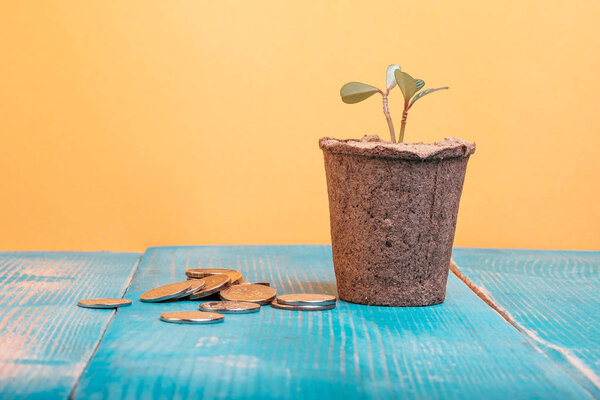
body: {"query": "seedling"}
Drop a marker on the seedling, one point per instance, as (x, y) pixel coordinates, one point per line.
(354, 92)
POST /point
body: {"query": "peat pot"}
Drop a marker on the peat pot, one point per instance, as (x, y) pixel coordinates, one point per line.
(393, 209)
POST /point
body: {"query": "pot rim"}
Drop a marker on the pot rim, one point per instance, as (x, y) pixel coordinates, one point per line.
(450, 147)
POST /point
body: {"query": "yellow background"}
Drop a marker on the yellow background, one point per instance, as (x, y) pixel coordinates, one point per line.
(128, 124)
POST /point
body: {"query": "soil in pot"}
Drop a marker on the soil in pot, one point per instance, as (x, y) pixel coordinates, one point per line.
(393, 209)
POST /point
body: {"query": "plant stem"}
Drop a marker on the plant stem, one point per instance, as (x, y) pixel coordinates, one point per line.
(403, 123)
(388, 117)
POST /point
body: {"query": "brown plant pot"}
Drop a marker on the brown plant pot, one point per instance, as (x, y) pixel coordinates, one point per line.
(393, 210)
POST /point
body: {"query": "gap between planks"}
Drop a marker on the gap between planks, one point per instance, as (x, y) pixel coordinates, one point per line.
(97, 346)
(573, 360)
(481, 293)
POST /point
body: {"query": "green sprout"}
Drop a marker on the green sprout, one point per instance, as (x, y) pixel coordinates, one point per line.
(354, 92)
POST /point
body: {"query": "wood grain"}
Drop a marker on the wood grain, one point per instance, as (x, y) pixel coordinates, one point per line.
(45, 339)
(552, 296)
(460, 349)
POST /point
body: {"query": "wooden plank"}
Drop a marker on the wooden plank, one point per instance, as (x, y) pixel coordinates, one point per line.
(45, 339)
(460, 349)
(552, 296)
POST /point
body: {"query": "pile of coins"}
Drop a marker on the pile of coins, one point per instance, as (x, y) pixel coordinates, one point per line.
(305, 302)
(237, 296)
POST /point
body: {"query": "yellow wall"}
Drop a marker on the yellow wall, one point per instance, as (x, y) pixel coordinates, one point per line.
(128, 124)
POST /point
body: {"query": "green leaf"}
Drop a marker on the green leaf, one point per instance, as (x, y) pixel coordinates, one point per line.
(420, 84)
(354, 92)
(406, 83)
(424, 92)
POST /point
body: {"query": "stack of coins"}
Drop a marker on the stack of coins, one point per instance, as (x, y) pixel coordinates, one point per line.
(237, 296)
(305, 302)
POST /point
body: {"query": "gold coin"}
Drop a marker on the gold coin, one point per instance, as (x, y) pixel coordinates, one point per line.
(253, 293)
(276, 304)
(214, 283)
(198, 273)
(243, 282)
(192, 317)
(103, 303)
(306, 299)
(196, 285)
(166, 292)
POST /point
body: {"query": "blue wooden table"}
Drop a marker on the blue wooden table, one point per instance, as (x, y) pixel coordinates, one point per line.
(520, 324)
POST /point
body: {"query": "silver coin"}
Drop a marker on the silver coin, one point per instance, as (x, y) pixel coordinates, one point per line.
(192, 317)
(103, 303)
(230, 307)
(199, 273)
(276, 304)
(252, 293)
(306, 299)
(214, 284)
(166, 292)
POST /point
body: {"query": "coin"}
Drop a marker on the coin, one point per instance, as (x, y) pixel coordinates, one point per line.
(306, 299)
(276, 304)
(198, 273)
(197, 285)
(243, 282)
(253, 293)
(103, 303)
(166, 292)
(231, 307)
(214, 283)
(192, 317)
